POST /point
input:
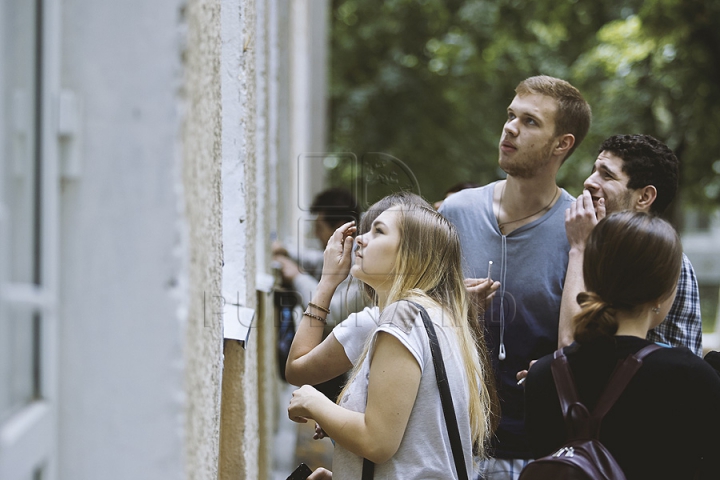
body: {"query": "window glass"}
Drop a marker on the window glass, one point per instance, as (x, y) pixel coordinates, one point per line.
(19, 204)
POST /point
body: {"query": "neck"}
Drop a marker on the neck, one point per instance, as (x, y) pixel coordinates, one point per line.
(635, 324)
(382, 297)
(525, 195)
(517, 202)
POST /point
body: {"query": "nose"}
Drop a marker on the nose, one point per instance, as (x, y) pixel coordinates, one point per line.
(360, 239)
(511, 127)
(590, 183)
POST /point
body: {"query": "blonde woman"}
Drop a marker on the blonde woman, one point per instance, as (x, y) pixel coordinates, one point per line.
(390, 412)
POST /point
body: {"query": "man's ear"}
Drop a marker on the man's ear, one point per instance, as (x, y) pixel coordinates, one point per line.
(564, 144)
(645, 198)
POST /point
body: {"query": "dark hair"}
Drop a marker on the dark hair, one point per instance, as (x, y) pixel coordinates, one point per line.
(647, 161)
(631, 258)
(461, 186)
(573, 113)
(337, 206)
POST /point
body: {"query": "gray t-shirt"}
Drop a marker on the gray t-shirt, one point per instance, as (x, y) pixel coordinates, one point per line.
(425, 450)
(530, 263)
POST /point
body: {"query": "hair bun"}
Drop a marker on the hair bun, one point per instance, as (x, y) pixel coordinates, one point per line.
(596, 318)
(592, 299)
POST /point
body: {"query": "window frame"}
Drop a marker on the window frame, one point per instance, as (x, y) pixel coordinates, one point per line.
(28, 439)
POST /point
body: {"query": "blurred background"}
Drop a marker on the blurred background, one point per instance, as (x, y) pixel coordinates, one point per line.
(429, 81)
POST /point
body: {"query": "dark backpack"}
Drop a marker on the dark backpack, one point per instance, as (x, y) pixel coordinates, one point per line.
(583, 457)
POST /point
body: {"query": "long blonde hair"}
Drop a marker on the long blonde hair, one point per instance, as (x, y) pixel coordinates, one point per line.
(428, 270)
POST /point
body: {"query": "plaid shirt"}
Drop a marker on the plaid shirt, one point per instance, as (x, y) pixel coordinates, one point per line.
(683, 325)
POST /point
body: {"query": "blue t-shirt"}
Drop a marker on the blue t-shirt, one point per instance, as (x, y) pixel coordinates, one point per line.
(530, 263)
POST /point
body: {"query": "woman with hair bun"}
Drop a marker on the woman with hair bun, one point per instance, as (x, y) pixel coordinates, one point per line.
(666, 424)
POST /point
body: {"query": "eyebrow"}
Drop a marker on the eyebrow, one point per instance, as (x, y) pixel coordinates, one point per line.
(525, 113)
(378, 222)
(603, 166)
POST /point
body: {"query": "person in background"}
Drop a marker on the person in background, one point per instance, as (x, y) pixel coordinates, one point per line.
(454, 189)
(333, 207)
(390, 412)
(665, 424)
(518, 224)
(636, 173)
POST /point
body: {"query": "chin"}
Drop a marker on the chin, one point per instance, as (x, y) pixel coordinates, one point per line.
(357, 272)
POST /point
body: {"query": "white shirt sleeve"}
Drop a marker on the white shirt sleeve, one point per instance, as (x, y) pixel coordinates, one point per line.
(355, 331)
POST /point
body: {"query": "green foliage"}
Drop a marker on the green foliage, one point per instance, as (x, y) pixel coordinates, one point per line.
(428, 81)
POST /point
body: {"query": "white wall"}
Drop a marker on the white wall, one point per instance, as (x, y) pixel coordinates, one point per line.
(303, 74)
(124, 251)
(188, 131)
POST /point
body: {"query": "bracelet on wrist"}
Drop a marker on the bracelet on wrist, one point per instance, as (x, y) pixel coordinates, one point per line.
(315, 305)
(316, 317)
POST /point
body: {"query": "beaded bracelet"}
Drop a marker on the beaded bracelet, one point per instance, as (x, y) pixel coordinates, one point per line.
(316, 317)
(322, 309)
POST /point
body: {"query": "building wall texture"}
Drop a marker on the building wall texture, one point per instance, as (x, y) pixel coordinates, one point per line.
(184, 141)
(239, 420)
(201, 146)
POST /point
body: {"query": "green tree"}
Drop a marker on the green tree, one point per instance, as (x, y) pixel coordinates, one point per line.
(428, 81)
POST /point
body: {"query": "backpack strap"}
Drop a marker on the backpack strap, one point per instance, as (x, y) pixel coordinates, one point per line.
(579, 423)
(564, 383)
(368, 470)
(445, 395)
(618, 382)
(577, 418)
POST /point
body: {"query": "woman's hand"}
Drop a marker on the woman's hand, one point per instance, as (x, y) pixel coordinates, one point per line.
(320, 474)
(304, 402)
(337, 259)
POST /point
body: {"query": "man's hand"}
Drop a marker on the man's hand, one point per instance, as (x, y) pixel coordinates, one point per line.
(288, 268)
(522, 374)
(278, 248)
(581, 218)
(481, 292)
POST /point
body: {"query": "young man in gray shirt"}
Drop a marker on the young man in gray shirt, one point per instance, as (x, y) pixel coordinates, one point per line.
(518, 224)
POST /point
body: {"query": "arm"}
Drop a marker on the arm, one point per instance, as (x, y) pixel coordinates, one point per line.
(580, 219)
(569, 307)
(392, 388)
(309, 360)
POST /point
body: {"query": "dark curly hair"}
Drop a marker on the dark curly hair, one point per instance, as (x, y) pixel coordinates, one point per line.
(647, 161)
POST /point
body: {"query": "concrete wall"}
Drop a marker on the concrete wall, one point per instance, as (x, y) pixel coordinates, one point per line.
(124, 267)
(240, 418)
(202, 181)
(188, 150)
